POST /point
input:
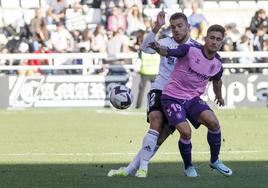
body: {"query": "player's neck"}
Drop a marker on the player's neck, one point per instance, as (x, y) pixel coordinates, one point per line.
(208, 54)
(183, 40)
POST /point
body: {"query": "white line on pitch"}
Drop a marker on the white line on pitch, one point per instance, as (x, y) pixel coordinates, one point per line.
(124, 154)
(121, 112)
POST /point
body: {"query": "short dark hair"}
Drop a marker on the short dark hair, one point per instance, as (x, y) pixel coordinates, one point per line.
(217, 28)
(178, 15)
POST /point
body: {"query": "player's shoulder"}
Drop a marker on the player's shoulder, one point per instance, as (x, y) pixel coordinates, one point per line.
(166, 41)
(218, 57)
(194, 42)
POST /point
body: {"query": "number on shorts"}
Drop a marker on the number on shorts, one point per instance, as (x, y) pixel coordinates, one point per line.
(174, 107)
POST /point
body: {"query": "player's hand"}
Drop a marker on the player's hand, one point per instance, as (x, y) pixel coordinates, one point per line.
(154, 45)
(160, 19)
(219, 101)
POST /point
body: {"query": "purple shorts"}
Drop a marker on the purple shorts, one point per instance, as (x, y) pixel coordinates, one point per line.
(178, 110)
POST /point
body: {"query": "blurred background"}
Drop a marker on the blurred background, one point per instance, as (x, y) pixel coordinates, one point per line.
(57, 53)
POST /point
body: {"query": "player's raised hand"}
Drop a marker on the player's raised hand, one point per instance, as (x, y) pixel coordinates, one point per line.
(160, 21)
(154, 45)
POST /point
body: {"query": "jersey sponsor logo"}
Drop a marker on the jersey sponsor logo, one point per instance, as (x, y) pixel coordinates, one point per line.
(200, 76)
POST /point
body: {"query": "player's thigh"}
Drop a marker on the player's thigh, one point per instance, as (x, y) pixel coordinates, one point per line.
(176, 115)
(209, 119)
(194, 108)
(156, 120)
(155, 115)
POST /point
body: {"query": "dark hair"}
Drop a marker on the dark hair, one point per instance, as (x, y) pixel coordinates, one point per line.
(217, 28)
(178, 15)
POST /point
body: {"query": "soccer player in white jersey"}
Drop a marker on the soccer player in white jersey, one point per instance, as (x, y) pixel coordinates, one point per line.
(180, 35)
(181, 100)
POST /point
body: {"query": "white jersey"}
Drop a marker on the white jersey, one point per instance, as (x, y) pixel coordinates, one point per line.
(166, 63)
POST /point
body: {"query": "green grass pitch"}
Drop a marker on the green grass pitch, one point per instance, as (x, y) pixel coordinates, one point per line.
(75, 148)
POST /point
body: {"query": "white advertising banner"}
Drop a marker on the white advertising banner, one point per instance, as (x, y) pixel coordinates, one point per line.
(241, 90)
(238, 90)
(62, 91)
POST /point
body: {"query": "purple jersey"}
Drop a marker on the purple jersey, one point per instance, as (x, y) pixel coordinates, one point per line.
(192, 72)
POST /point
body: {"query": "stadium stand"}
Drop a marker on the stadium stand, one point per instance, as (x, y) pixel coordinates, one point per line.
(10, 4)
(30, 4)
(16, 15)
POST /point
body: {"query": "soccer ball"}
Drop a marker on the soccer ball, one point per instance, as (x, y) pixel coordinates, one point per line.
(121, 97)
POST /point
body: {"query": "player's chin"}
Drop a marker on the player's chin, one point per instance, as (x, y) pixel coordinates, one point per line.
(178, 37)
(213, 49)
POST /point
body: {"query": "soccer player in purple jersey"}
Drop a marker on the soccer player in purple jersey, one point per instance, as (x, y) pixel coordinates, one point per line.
(157, 132)
(181, 100)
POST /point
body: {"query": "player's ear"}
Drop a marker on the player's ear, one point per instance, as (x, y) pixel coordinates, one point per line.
(188, 26)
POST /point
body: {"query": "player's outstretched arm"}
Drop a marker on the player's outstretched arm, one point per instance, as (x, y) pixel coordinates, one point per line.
(151, 37)
(217, 84)
(161, 50)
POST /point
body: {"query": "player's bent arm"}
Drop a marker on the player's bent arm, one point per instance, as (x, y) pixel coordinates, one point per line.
(180, 51)
(149, 38)
(161, 50)
(217, 85)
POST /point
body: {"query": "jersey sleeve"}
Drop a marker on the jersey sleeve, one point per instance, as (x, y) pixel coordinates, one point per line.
(217, 76)
(150, 37)
(180, 51)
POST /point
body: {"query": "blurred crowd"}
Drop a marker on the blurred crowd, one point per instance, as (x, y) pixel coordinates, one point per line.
(113, 26)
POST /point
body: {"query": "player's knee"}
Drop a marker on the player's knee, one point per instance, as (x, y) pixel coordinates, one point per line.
(186, 134)
(156, 121)
(214, 124)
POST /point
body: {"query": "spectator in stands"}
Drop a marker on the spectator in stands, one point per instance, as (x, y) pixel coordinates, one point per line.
(75, 18)
(232, 35)
(258, 43)
(250, 35)
(135, 45)
(260, 18)
(259, 37)
(61, 39)
(198, 23)
(38, 29)
(134, 21)
(56, 11)
(130, 3)
(86, 40)
(42, 49)
(23, 48)
(185, 4)
(148, 22)
(243, 45)
(91, 3)
(118, 43)
(117, 20)
(99, 42)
